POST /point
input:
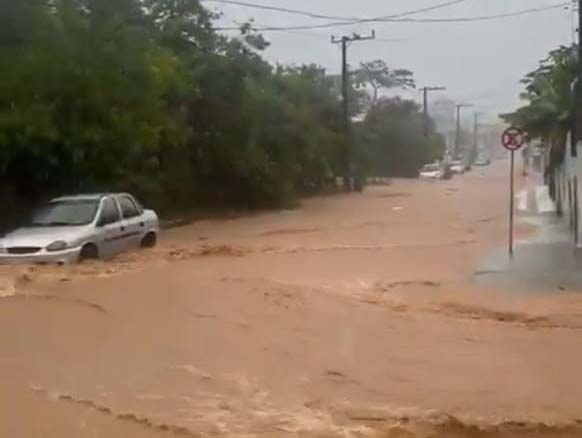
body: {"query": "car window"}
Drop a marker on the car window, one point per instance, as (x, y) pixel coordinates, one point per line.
(65, 213)
(128, 207)
(109, 212)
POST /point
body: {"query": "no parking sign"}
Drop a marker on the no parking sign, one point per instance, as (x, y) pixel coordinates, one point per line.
(513, 140)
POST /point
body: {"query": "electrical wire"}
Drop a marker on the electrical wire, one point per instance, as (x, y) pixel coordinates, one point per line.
(277, 9)
(405, 20)
(481, 18)
(331, 17)
(326, 37)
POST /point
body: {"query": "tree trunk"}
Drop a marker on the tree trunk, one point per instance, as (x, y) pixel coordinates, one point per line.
(375, 96)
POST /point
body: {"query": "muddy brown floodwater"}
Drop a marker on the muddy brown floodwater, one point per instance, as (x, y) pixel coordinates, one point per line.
(353, 316)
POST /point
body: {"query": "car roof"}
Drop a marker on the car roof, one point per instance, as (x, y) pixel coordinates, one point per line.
(81, 197)
(87, 197)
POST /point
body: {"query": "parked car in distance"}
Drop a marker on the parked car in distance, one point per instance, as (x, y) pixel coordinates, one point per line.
(74, 228)
(483, 162)
(431, 171)
(458, 167)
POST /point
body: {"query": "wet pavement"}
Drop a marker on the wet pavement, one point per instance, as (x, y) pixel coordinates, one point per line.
(544, 262)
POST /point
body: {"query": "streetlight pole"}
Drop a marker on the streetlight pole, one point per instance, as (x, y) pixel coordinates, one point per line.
(476, 126)
(475, 152)
(458, 129)
(425, 91)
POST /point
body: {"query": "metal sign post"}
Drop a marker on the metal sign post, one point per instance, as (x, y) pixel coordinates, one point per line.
(512, 140)
(511, 202)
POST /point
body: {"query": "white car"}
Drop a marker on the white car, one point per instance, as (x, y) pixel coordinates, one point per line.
(457, 167)
(431, 171)
(74, 228)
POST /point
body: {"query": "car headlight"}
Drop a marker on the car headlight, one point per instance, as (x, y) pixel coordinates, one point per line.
(57, 246)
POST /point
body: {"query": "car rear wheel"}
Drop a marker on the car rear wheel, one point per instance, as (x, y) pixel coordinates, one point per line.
(89, 252)
(149, 240)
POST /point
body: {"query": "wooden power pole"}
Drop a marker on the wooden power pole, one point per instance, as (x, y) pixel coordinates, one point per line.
(348, 165)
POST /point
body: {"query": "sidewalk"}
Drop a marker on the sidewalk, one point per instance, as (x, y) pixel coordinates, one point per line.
(547, 261)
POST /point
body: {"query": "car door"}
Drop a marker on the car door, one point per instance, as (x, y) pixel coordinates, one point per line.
(132, 219)
(110, 228)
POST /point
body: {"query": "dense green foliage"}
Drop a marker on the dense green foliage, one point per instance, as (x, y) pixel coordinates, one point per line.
(377, 76)
(144, 96)
(393, 141)
(549, 110)
(547, 113)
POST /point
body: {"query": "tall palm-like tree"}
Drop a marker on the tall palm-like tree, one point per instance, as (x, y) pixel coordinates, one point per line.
(548, 113)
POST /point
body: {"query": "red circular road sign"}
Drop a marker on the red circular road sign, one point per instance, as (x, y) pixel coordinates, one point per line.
(513, 139)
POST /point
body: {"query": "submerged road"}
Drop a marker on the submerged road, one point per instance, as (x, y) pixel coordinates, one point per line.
(352, 316)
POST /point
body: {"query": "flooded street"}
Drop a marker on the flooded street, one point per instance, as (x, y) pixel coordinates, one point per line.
(352, 316)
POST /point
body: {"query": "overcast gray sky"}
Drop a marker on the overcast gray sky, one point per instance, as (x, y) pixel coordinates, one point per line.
(480, 63)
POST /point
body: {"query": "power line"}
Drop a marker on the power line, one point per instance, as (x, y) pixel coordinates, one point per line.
(406, 20)
(482, 17)
(326, 37)
(305, 33)
(278, 9)
(332, 17)
(345, 21)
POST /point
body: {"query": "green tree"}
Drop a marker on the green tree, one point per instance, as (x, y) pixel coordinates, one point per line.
(84, 101)
(548, 93)
(145, 96)
(394, 141)
(378, 76)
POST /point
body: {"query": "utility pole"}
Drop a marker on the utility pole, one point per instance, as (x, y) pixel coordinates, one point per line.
(458, 130)
(577, 131)
(572, 9)
(425, 91)
(475, 151)
(573, 19)
(348, 148)
(580, 33)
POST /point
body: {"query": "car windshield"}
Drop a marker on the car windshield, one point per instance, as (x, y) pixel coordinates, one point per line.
(65, 213)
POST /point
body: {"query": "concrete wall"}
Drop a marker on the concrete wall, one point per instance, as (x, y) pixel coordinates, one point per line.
(569, 194)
